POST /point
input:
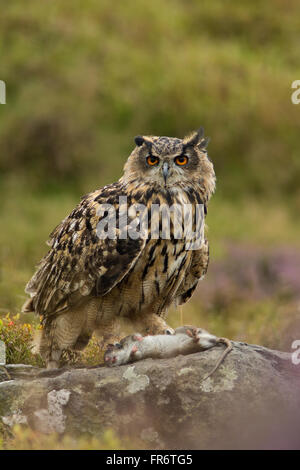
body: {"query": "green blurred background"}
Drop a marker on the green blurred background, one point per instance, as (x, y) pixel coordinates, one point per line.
(84, 77)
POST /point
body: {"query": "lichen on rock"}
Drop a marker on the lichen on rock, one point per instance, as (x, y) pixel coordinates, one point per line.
(136, 382)
(53, 419)
(251, 401)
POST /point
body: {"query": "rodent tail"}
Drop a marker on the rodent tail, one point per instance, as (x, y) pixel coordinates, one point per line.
(221, 359)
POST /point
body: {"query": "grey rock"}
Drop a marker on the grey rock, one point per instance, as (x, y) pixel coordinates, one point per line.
(251, 401)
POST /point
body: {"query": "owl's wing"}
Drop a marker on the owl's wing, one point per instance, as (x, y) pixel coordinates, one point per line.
(79, 262)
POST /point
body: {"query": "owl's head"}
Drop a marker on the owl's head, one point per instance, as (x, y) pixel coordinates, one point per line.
(167, 162)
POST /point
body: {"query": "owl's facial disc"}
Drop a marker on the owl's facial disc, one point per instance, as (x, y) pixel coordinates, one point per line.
(168, 162)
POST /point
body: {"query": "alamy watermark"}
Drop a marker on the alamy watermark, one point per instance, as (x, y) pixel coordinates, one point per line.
(295, 97)
(2, 92)
(296, 354)
(137, 221)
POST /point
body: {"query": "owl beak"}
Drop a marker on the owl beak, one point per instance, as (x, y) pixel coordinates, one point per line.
(165, 169)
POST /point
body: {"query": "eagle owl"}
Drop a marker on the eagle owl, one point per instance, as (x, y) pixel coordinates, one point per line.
(86, 283)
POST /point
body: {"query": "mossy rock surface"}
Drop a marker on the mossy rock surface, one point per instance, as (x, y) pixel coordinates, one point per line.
(252, 400)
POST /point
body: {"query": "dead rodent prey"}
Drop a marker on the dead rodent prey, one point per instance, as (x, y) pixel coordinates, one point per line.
(185, 340)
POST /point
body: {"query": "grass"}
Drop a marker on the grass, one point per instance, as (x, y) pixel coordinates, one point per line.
(24, 438)
(271, 323)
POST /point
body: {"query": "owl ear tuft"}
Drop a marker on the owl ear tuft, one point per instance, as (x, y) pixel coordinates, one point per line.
(197, 139)
(204, 143)
(139, 140)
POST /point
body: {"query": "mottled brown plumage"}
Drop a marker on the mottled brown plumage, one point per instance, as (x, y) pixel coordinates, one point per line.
(85, 283)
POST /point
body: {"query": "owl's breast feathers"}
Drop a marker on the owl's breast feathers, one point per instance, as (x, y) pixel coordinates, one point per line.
(80, 264)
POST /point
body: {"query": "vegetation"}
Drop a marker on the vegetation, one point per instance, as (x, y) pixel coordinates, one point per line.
(21, 340)
(23, 438)
(18, 338)
(84, 77)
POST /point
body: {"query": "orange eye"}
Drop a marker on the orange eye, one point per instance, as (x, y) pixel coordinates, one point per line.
(182, 160)
(151, 160)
